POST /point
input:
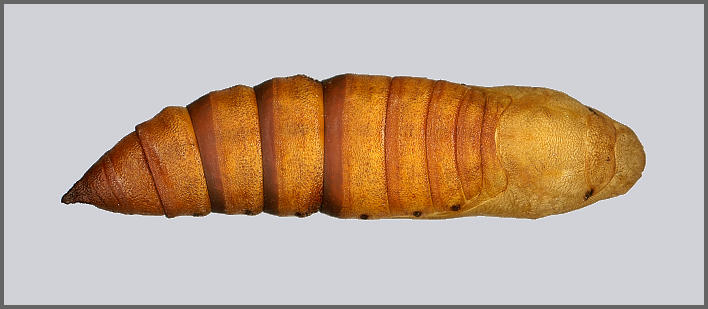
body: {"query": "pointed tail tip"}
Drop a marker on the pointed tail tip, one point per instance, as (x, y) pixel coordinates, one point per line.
(77, 194)
(92, 188)
(70, 196)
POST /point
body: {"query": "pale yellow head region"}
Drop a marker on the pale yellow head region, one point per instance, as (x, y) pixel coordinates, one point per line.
(558, 155)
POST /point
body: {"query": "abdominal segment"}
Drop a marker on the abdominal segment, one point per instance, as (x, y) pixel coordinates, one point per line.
(352, 146)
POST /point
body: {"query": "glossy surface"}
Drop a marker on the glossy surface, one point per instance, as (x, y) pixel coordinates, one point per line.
(369, 147)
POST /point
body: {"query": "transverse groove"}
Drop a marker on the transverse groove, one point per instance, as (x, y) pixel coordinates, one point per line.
(152, 175)
(425, 144)
(454, 139)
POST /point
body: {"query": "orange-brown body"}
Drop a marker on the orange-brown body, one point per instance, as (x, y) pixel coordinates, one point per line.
(368, 147)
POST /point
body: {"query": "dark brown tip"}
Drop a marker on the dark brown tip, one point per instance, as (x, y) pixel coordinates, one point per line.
(77, 194)
(92, 189)
(69, 197)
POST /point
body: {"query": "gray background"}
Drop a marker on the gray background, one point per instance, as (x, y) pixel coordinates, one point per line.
(78, 78)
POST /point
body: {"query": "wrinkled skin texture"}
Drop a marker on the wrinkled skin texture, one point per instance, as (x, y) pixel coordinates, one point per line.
(558, 155)
(368, 147)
